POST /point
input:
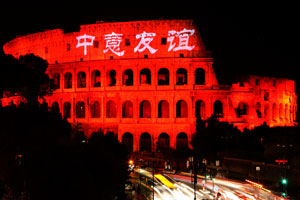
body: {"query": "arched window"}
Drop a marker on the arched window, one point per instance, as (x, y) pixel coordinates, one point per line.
(112, 78)
(218, 109)
(163, 109)
(145, 109)
(281, 111)
(111, 109)
(242, 109)
(96, 76)
(145, 142)
(258, 110)
(127, 109)
(56, 78)
(266, 96)
(286, 112)
(182, 141)
(80, 109)
(163, 142)
(81, 80)
(200, 109)
(55, 107)
(68, 80)
(145, 77)
(291, 113)
(128, 77)
(266, 111)
(181, 76)
(67, 110)
(294, 113)
(95, 109)
(163, 76)
(274, 111)
(199, 76)
(127, 141)
(181, 109)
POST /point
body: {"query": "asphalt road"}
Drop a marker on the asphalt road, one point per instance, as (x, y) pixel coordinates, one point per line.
(165, 187)
(230, 189)
(169, 186)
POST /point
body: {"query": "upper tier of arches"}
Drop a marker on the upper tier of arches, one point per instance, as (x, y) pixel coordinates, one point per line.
(98, 78)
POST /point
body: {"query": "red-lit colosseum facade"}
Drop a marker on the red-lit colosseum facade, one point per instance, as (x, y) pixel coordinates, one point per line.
(148, 81)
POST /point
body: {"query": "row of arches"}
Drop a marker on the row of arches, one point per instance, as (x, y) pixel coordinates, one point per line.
(145, 78)
(111, 109)
(267, 111)
(162, 143)
(163, 110)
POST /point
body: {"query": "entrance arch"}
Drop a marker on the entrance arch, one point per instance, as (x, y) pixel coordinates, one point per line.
(163, 109)
(163, 142)
(145, 109)
(200, 109)
(145, 142)
(182, 141)
(127, 141)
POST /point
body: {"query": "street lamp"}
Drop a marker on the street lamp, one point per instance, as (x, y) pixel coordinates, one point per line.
(258, 170)
(284, 184)
(195, 176)
(284, 181)
(153, 148)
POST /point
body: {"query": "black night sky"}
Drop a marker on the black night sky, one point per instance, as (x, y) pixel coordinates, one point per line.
(248, 37)
(245, 38)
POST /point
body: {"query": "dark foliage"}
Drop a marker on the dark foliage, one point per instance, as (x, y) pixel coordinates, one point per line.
(213, 139)
(25, 76)
(39, 156)
(32, 141)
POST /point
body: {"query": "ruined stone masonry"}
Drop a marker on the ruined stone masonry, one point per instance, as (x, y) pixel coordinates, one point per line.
(149, 81)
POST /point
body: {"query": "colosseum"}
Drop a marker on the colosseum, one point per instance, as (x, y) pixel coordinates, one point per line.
(148, 81)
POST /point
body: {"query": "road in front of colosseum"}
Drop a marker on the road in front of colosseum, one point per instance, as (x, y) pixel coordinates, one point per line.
(165, 187)
(229, 189)
(179, 186)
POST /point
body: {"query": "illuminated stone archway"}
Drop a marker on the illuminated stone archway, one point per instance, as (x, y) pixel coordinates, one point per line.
(127, 141)
(145, 109)
(111, 109)
(166, 75)
(163, 109)
(95, 109)
(127, 77)
(181, 109)
(200, 110)
(163, 142)
(218, 109)
(182, 141)
(96, 78)
(81, 80)
(127, 109)
(145, 142)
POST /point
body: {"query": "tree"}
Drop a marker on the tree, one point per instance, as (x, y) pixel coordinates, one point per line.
(39, 157)
(25, 76)
(212, 138)
(32, 142)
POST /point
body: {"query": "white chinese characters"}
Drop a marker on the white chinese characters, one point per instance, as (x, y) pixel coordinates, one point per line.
(146, 39)
(178, 40)
(84, 41)
(113, 42)
(183, 40)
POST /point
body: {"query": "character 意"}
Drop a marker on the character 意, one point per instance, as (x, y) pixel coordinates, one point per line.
(113, 42)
